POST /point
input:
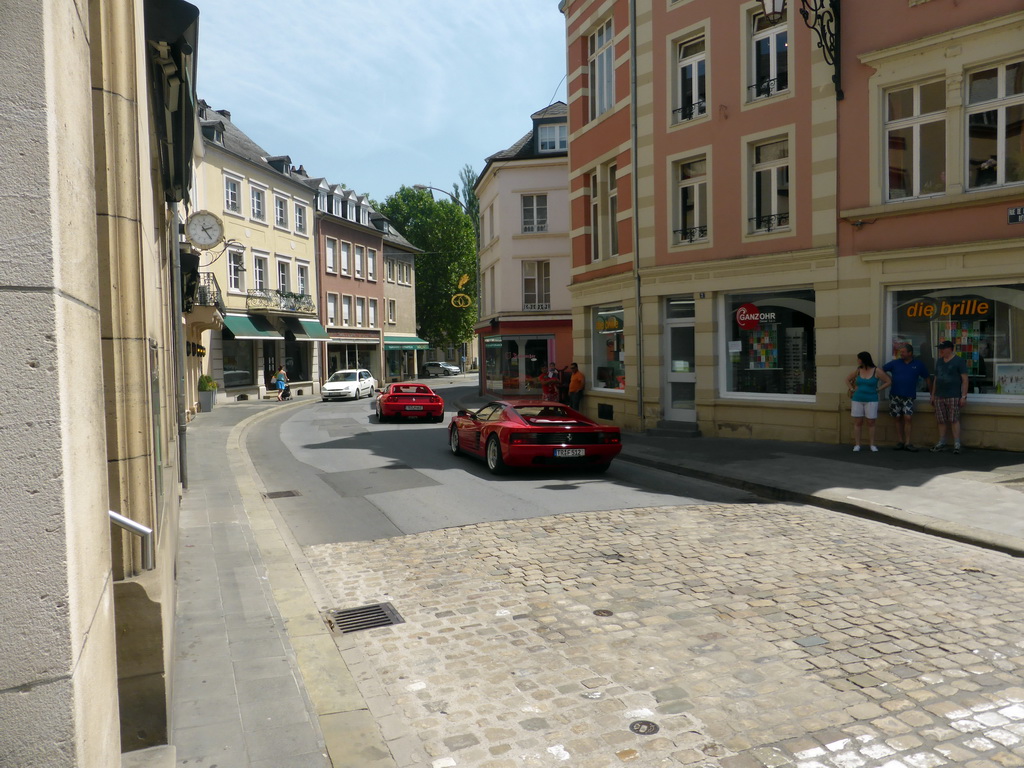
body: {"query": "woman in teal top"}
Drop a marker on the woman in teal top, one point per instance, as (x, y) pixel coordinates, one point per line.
(864, 384)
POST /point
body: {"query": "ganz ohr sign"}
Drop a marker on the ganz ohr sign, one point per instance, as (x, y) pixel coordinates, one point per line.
(748, 317)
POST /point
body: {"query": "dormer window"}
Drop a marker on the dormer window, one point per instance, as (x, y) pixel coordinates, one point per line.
(553, 137)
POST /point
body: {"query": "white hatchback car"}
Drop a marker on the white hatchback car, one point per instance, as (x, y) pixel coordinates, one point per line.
(349, 384)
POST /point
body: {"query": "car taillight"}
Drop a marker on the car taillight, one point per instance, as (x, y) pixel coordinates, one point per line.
(524, 438)
(607, 438)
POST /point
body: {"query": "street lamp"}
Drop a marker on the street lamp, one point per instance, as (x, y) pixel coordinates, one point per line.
(822, 16)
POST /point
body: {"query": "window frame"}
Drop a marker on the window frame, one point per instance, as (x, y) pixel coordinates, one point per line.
(284, 271)
(612, 205)
(776, 220)
(300, 219)
(601, 69)
(684, 111)
(280, 211)
(236, 270)
(360, 311)
(532, 203)
(915, 122)
(331, 310)
(392, 311)
(360, 253)
(1001, 103)
(557, 143)
(699, 233)
(371, 264)
(346, 310)
(257, 212)
(759, 89)
(260, 267)
(331, 255)
(302, 279)
(371, 313)
(346, 258)
(232, 195)
(541, 285)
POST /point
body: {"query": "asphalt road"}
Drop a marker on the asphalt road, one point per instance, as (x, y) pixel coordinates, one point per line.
(355, 480)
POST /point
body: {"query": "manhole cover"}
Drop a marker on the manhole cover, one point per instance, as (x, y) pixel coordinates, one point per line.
(346, 620)
(644, 727)
(603, 612)
(282, 494)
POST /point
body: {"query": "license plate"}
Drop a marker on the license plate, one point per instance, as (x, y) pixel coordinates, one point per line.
(566, 452)
(414, 407)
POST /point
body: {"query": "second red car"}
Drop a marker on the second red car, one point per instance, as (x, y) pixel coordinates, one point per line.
(409, 401)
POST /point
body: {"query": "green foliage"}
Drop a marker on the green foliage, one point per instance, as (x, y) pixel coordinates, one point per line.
(446, 235)
(467, 195)
(207, 384)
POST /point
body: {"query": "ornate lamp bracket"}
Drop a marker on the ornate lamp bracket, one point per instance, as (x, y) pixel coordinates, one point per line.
(823, 17)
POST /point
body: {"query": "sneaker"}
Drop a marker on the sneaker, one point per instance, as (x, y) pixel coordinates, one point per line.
(856, 448)
(938, 447)
(874, 449)
(956, 447)
(899, 447)
(910, 447)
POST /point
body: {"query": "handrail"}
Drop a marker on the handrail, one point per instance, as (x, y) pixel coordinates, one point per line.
(146, 534)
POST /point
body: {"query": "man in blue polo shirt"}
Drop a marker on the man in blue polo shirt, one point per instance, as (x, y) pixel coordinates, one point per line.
(905, 371)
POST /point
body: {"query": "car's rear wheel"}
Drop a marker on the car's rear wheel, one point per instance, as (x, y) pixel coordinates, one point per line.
(380, 416)
(495, 462)
(453, 441)
(438, 419)
(599, 468)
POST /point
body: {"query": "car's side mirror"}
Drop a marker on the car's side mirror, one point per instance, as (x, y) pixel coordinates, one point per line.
(466, 414)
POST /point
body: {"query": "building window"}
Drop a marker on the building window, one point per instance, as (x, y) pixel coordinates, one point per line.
(490, 222)
(371, 316)
(330, 254)
(536, 286)
(332, 309)
(984, 322)
(601, 63)
(915, 134)
(691, 201)
(769, 57)
(692, 91)
(236, 271)
(609, 348)
(769, 343)
(595, 218)
(346, 310)
(995, 126)
(770, 186)
(360, 311)
(302, 284)
(239, 363)
(389, 270)
(553, 137)
(371, 264)
(259, 280)
(321, 201)
(231, 195)
(283, 270)
(613, 211)
(392, 311)
(346, 258)
(257, 199)
(281, 212)
(360, 255)
(300, 219)
(535, 213)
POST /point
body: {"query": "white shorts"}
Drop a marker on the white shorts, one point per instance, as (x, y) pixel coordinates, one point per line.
(864, 410)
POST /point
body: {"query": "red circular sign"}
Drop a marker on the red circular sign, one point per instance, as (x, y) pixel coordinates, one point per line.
(748, 317)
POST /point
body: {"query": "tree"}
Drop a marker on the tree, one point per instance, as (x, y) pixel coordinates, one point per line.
(467, 195)
(447, 267)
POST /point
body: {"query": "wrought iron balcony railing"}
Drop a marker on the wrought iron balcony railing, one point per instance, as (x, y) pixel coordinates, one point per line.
(692, 234)
(208, 291)
(280, 301)
(768, 223)
(768, 87)
(690, 111)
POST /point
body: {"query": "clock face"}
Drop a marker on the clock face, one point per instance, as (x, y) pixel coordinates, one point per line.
(204, 230)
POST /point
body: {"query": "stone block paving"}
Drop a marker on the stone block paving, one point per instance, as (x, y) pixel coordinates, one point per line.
(751, 636)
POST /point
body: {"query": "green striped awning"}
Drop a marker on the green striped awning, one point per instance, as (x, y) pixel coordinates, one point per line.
(306, 329)
(405, 342)
(250, 328)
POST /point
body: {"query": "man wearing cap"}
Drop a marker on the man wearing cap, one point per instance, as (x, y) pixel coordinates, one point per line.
(905, 371)
(949, 394)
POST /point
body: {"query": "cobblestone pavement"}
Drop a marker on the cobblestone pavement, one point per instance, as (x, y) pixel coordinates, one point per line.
(751, 636)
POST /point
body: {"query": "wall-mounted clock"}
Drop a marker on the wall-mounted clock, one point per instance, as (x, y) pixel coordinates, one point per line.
(204, 230)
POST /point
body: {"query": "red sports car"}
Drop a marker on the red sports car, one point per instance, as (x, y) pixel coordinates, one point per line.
(416, 401)
(534, 433)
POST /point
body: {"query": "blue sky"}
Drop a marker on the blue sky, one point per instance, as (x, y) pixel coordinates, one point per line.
(380, 93)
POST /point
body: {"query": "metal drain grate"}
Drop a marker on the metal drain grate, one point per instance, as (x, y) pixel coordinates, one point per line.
(281, 494)
(345, 620)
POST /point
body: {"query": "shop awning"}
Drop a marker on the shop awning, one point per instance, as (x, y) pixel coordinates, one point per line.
(405, 342)
(352, 340)
(250, 328)
(306, 329)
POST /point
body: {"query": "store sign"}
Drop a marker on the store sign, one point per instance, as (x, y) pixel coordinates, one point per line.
(608, 323)
(1015, 215)
(950, 309)
(749, 317)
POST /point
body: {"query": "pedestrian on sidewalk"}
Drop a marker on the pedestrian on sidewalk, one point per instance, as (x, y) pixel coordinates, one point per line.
(949, 394)
(550, 380)
(864, 384)
(577, 383)
(280, 381)
(905, 371)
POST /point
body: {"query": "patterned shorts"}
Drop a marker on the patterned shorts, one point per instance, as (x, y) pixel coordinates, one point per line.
(947, 410)
(901, 406)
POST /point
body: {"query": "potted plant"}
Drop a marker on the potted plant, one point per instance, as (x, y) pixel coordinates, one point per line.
(207, 393)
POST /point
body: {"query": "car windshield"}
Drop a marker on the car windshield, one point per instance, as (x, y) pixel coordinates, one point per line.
(540, 414)
(343, 376)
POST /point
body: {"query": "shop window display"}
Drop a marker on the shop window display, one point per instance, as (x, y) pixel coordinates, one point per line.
(609, 350)
(985, 323)
(770, 343)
